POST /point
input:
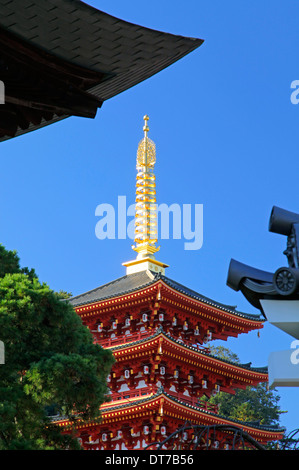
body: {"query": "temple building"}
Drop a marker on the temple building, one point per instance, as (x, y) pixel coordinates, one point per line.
(158, 331)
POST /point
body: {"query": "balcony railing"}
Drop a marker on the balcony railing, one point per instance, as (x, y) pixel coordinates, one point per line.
(136, 393)
(194, 401)
(123, 339)
(129, 338)
(146, 391)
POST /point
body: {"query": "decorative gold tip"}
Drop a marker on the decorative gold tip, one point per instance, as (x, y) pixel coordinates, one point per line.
(145, 213)
(146, 232)
(146, 152)
(145, 127)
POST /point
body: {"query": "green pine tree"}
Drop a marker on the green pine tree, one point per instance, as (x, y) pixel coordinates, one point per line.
(252, 404)
(51, 363)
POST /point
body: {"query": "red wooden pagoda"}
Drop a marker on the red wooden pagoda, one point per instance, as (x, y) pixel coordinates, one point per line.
(158, 332)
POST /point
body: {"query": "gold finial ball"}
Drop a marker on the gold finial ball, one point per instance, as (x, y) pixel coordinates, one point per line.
(146, 152)
(145, 127)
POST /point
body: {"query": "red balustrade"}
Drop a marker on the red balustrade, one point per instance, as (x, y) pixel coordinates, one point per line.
(141, 392)
(136, 393)
(129, 338)
(123, 339)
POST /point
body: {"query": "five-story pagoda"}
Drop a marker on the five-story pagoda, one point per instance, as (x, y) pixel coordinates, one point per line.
(157, 331)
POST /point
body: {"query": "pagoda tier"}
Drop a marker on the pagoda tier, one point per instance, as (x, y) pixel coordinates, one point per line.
(149, 417)
(182, 370)
(156, 329)
(143, 300)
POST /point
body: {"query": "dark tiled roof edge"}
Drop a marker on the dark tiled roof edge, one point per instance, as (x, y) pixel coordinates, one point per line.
(189, 292)
(160, 391)
(172, 284)
(116, 294)
(262, 370)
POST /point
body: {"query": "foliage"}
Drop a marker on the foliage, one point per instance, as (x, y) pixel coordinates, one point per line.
(50, 361)
(62, 294)
(252, 404)
(10, 263)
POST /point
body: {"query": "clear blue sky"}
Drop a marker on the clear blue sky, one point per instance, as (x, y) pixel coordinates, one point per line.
(226, 135)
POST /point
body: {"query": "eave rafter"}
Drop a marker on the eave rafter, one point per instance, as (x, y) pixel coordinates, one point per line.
(162, 406)
(39, 86)
(141, 298)
(65, 58)
(160, 296)
(188, 413)
(209, 313)
(163, 348)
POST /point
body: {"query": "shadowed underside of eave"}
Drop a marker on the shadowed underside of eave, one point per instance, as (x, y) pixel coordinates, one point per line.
(61, 58)
(183, 410)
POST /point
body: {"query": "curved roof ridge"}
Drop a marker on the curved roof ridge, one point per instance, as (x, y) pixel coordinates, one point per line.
(201, 351)
(244, 423)
(96, 288)
(227, 361)
(127, 283)
(160, 391)
(192, 293)
(130, 283)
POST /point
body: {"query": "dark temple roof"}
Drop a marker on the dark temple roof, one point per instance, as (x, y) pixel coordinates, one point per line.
(120, 286)
(142, 279)
(63, 57)
(248, 366)
(114, 406)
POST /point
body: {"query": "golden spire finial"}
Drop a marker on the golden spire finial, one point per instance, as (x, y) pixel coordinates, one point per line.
(146, 152)
(145, 127)
(145, 212)
(146, 233)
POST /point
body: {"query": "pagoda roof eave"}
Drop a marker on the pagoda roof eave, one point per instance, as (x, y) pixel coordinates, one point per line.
(94, 296)
(138, 282)
(261, 371)
(182, 409)
(189, 293)
(115, 53)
